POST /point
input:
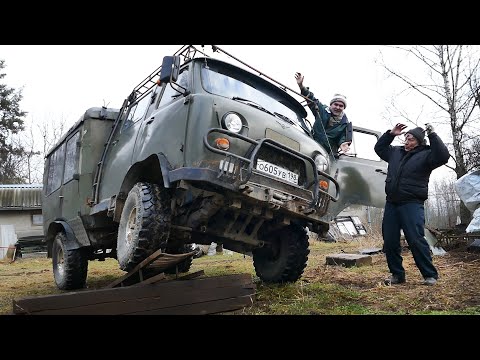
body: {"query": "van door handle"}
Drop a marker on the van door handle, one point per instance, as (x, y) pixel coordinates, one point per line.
(151, 120)
(381, 171)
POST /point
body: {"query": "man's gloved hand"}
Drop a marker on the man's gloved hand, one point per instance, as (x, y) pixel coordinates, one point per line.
(429, 129)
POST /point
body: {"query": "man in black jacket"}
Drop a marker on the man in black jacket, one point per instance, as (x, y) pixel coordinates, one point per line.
(406, 186)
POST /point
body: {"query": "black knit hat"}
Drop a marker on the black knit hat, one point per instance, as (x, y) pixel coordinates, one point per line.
(418, 133)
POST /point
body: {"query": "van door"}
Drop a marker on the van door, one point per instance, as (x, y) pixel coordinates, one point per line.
(163, 129)
(120, 153)
(361, 173)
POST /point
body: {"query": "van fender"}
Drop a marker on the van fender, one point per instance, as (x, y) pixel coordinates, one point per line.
(154, 167)
(165, 167)
(71, 242)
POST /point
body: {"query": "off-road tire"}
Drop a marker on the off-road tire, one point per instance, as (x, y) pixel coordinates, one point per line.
(70, 267)
(144, 225)
(184, 265)
(286, 259)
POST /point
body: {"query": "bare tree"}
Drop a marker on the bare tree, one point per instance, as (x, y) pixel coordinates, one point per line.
(449, 83)
(29, 167)
(37, 140)
(442, 206)
(472, 155)
(51, 131)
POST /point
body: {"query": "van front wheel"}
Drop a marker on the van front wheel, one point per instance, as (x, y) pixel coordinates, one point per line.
(144, 225)
(285, 258)
(184, 265)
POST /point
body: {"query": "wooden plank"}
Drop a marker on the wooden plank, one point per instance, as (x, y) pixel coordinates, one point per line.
(169, 300)
(82, 298)
(145, 262)
(151, 280)
(192, 275)
(72, 299)
(158, 260)
(205, 308)
(168, 260)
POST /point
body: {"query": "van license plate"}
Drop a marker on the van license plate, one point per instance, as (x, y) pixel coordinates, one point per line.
(277, 171)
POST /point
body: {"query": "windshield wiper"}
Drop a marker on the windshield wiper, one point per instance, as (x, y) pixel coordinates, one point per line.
(252, 103)
(299, 124)
(287, 119)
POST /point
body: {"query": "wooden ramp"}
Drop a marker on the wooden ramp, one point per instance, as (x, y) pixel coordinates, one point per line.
(208, 295)
(152, 266)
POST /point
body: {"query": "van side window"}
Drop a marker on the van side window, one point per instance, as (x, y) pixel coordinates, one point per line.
(138, 110)
(170, 94)
(71, 158)
(55, 169)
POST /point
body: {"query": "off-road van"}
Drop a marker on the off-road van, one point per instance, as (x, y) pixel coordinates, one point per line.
(201, 151)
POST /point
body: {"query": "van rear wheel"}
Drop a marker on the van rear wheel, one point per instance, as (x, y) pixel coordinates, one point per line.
(285, 258)
(70, 267)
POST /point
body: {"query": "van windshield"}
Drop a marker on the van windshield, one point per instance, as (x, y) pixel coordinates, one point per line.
(234, 85)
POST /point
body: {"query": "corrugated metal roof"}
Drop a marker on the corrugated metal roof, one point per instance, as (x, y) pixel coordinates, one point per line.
(20, 196)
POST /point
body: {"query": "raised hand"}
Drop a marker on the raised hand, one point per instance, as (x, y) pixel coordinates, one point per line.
(299, 77)
(429, 129)
(398, 129)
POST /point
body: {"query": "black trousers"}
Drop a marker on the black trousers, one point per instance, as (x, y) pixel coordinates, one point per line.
(410, 218)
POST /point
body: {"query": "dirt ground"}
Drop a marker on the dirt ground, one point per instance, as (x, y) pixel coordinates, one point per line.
(457, 289)
(456, 292)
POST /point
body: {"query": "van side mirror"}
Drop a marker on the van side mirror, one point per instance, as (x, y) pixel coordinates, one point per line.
(170, 69)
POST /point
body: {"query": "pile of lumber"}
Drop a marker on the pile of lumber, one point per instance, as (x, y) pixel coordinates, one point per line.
(182, 296)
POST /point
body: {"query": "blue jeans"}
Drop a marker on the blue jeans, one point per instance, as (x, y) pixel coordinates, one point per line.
(410, 218)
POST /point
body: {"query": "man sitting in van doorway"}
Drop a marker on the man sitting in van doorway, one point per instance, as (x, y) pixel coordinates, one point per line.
(331, 129)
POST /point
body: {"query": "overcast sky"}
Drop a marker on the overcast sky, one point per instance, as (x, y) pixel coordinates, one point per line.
(66, 80)
(62, 81)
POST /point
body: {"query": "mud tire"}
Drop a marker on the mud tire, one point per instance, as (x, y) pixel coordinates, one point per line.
(70, 267)
(183, 266)
(144, 224)
(286, 259)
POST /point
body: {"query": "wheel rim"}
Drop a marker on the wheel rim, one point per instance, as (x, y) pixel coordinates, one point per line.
(60, 262)
(131, 224)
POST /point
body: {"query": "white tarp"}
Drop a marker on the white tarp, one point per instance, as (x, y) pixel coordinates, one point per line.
(7, 238)
(433, 243)
(468, 189)
(475, 223)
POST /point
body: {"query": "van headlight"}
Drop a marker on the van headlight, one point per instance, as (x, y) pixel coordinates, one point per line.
(321, 162)
(232, 122)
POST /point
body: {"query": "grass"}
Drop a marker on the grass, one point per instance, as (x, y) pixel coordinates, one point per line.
(322, 290)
